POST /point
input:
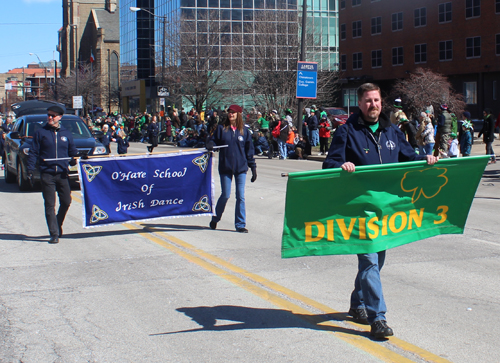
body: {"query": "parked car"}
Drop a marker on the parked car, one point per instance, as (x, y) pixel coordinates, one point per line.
(337, 116)
(19, 140)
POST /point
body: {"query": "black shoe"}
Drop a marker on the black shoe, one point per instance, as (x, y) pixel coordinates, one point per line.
(54, 239)
(381, 330)
(242, 230)
(359, 315)
(149, 148)
(213, 225)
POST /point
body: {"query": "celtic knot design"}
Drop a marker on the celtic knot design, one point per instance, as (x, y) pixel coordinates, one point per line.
(98, 214)
(202, 162)
(202, 205)
(91, 171)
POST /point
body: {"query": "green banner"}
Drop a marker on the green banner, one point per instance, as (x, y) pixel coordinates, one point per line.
(333, 212)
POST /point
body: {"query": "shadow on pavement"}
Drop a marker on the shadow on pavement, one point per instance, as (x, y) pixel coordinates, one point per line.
(23, 237)
(254, 318)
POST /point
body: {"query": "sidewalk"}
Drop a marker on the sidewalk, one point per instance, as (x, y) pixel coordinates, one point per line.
(478, 148)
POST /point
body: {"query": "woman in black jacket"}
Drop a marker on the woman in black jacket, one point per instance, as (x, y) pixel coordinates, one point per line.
(234, 161)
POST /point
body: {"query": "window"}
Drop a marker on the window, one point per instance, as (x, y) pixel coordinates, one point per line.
(472, 8)
(473, 47)
(343, 32)
(420, 17)
(356, 2)
(349, 97)
(444, 13)
(342, 4)
(397, 56)
(376, 58)
(497, 6)
(470, 93)
(420, 53)
(446, 50)
(377, 25)
(397, 21)
(357, 60)
(343, 62)
(497, 44)
(356, 29)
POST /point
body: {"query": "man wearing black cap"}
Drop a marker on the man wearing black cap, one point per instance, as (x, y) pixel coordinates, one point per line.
(52, 141)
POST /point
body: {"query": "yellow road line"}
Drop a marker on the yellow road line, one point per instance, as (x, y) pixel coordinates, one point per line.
(428, 356)
(356, 340)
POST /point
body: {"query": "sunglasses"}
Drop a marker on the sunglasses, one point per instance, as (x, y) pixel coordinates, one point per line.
(53, 116)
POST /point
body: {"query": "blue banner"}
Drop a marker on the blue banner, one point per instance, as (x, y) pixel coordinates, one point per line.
(135, 188)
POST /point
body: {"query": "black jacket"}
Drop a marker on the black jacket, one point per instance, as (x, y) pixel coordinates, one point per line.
(51, 143)
(239, 155)
(356, 143)
(153, 129)
(122, 145)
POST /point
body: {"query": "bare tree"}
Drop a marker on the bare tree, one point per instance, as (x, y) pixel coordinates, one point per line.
(274, 46)
(423, 88)
(197, 59)
(88, 85)
(328, 88)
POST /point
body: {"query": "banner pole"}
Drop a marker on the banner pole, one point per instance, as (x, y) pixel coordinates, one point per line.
(137, 154)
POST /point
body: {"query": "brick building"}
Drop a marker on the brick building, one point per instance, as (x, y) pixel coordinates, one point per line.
(383, 40)
(91, 28)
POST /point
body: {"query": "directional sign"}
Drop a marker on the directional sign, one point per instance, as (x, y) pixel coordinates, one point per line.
(307, 79)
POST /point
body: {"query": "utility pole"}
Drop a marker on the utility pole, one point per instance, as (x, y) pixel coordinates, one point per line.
(302, 58)
(55, 79)
(109, 84)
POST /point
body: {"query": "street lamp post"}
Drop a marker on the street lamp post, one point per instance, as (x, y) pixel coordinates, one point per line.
(75, 26)
(45, 68)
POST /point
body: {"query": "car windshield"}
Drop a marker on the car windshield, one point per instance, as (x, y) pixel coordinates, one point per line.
(77, 128)
(32, 127)
(337, 111)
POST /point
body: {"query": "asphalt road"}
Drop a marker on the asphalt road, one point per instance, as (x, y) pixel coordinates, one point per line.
(175, 291)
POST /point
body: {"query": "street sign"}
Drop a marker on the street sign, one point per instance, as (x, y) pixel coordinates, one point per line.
(163, 91)
(77, 102)
(307, 79)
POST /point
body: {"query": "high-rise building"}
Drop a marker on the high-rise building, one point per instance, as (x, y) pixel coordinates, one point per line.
(385, 40)
(241, 26)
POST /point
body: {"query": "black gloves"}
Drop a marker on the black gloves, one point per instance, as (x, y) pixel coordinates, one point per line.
(254, 174)
(84, 157)
(72, 162)
(209, 145)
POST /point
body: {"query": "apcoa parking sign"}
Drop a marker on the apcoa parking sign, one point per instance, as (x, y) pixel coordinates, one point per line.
(307, 79)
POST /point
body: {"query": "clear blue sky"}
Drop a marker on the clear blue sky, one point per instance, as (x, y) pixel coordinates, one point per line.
(28, 26)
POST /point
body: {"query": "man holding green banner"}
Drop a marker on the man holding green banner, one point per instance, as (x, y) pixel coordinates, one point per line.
(370, 138)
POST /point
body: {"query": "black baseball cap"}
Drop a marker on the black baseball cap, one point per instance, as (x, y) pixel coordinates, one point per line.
(60, 110)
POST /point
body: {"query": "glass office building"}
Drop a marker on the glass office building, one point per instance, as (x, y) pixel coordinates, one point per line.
(240, 22)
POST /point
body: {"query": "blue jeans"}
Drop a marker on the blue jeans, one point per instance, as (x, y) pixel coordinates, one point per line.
(282, 148)
(368, 287)
(314, 137)
(239, 212)
(489, 151)
(428, 148)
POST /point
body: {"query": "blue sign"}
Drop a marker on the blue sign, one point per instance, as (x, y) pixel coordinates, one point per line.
(124, 189)
(307, 79)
